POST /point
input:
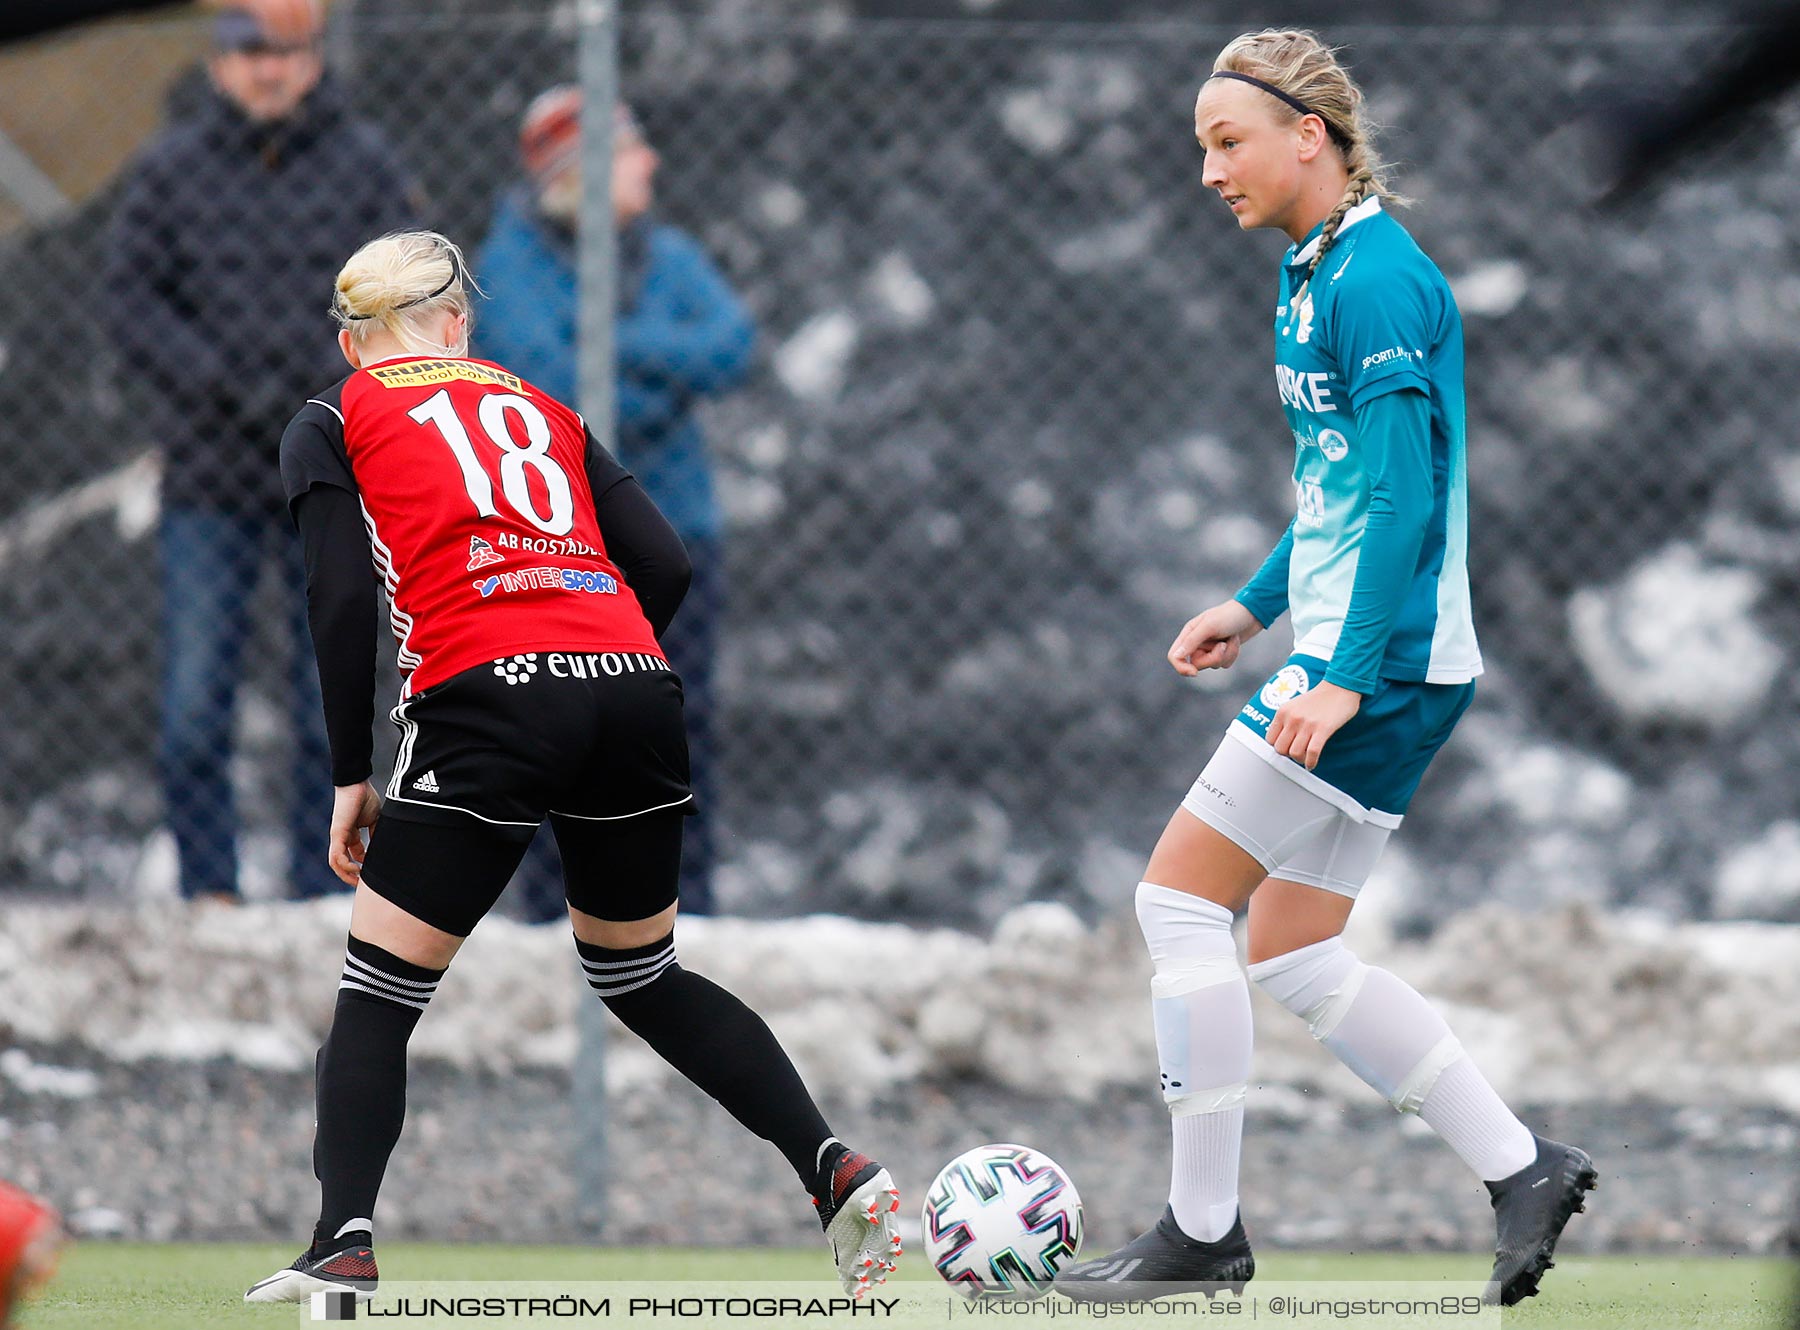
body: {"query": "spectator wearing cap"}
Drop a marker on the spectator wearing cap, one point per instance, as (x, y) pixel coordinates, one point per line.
(682, 336)
(229, 232)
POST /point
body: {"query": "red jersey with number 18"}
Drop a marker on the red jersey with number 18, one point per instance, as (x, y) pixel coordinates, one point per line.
(475, 490)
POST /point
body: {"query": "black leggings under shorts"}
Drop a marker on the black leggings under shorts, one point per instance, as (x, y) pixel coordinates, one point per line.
(592, 740)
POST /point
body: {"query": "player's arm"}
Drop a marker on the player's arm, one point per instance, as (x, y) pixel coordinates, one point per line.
(1265, 595)
(341, 606)
(341, 610)
(1393, 429)
(639, 539)
(341, 595)
(1211, 639)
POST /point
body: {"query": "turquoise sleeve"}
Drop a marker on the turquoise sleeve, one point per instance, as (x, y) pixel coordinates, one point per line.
(1394, 432)
(1266, 594)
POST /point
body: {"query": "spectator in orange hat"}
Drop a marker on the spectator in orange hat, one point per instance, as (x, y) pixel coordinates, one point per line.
(682, 336)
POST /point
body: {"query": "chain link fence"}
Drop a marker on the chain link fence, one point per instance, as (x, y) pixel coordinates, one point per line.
(1010, 420)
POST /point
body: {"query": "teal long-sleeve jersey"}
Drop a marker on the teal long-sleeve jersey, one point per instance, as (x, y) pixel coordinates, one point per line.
(1369, 365)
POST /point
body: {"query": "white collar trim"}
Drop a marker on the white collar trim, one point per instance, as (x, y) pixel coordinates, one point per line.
(1360, 213)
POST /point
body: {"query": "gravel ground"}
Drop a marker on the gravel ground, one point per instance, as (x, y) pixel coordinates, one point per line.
(192, 1151)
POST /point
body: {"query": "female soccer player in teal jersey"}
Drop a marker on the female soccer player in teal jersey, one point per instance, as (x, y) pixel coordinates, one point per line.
(1291, 813)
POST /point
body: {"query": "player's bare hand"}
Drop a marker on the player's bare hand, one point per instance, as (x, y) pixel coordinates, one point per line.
(354, 809)
(1211, 639)
(1301, 727)
(292, 21)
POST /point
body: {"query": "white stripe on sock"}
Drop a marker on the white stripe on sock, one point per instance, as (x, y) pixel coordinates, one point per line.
(428, 985)
(635, 963)
(384, 994)
(607, 990)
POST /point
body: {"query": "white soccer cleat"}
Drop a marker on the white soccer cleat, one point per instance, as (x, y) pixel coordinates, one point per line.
(861, 1222)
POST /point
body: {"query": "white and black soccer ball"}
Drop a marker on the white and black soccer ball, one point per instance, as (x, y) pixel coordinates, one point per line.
(1000, 1221)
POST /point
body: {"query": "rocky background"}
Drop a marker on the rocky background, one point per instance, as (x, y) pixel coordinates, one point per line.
(141, 1042)
(1014, 423)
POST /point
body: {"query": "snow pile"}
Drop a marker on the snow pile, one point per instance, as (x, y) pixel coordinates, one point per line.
(1676, 638)
(1564, 1006)
(1761, 879)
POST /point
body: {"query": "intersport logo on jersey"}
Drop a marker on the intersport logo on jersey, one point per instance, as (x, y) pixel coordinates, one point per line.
(548, 579)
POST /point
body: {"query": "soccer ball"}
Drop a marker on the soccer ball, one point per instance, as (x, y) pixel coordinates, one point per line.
(1000, 1221)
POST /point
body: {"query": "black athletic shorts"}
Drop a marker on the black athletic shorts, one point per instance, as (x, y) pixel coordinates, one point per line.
(597, 736)
(593, 740)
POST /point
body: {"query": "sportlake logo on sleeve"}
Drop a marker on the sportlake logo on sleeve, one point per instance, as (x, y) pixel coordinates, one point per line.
(1392, 353)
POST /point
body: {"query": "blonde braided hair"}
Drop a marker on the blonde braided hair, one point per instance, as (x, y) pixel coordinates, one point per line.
(1305, 68)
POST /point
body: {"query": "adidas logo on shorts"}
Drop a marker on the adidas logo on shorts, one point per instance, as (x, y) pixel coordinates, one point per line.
(427, 783)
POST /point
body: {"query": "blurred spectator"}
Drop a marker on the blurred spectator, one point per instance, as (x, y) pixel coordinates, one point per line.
(682, 335)
(289, 20)
(31, 1237)
(227, 223)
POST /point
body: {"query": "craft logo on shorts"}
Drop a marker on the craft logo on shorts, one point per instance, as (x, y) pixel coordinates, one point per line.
(1334, 445)
(1290, 681)
(481, 554)
(549, 579)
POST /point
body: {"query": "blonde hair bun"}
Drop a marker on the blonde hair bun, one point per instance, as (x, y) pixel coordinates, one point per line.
(395, 282)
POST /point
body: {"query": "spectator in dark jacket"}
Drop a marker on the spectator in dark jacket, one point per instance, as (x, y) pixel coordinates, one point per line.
(682, 336)
(225, 222)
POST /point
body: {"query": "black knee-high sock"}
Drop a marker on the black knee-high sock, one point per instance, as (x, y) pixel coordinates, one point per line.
(715, 1041)
(362, 1082)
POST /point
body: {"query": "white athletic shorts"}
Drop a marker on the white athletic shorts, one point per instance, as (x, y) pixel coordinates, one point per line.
(1295, 833)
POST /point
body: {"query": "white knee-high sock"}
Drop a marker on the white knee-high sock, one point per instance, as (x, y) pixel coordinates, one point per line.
(1202, 1009)
(1383, 1030)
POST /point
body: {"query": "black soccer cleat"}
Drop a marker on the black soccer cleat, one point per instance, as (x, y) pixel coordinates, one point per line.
(1163, 1262)
(1530, 1209)
(346, 1262)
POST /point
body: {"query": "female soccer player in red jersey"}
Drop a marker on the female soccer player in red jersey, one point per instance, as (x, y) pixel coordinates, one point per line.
(527, 578)
(1291, 813)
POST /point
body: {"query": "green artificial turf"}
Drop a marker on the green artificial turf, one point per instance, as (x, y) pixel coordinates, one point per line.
(141, 1286)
